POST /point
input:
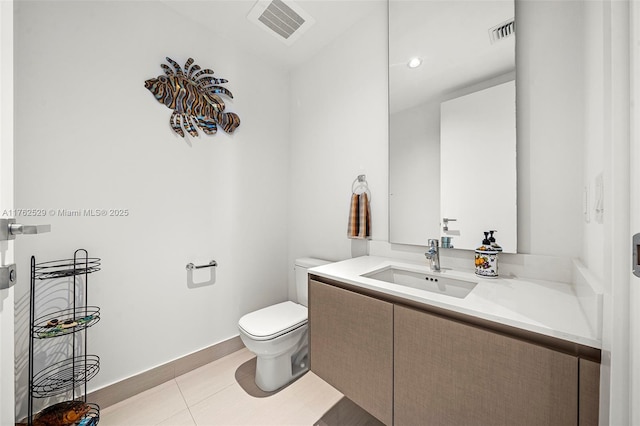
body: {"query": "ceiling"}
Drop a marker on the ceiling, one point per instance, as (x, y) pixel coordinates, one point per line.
(228, 19)
(450, 35)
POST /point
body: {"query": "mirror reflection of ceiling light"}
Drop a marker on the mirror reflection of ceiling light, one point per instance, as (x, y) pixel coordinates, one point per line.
(414, 62)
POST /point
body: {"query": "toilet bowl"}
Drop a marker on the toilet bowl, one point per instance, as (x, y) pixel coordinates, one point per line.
(278, 335)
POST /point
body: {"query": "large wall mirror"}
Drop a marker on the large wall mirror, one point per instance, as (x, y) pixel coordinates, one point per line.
(452, 133)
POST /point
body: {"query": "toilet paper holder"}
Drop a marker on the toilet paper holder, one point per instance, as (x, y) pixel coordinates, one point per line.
(212, 264)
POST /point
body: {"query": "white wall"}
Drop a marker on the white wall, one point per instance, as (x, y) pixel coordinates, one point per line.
(550, 126)
(606, 242)
(605, 247)
(596, 107)
(90, 136)
(597, 122)
(339, 129)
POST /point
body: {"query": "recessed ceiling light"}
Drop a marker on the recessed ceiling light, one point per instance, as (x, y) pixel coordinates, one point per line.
(414, 62)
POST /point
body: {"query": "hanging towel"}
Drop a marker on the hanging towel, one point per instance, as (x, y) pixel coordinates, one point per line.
(354, 212)
(359, 217)
(365, 216)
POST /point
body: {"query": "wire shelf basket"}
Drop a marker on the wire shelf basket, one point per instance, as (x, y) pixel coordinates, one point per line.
(66, 321)
(66, 268)
(53, 413)
(65, 375)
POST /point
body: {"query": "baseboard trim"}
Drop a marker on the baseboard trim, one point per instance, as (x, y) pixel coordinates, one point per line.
(119, 391)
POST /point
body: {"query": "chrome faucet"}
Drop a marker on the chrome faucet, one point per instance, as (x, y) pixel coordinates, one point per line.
(433, 255)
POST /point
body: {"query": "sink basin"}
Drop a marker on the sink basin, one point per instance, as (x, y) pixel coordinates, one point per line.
(435, 283)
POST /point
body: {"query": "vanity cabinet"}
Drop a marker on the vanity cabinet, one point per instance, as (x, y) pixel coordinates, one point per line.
(410, 364)
(351, 346)
(450, 373)
(589, 390)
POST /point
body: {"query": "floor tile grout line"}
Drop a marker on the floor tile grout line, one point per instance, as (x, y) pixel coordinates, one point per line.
(225, 387)
(185, 402)
(200, 401)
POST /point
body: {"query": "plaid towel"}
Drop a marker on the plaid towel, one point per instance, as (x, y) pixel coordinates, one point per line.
(359, 217)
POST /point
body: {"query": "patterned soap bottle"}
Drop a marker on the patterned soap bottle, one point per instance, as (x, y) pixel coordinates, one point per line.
(486, 259)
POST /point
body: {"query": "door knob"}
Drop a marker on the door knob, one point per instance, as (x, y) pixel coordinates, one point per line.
(9, 229)
(17, 229)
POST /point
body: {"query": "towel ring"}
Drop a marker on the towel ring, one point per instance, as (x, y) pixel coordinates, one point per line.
(361, 183)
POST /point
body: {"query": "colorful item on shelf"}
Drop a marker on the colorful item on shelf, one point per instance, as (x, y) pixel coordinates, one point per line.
(68, 324)
(62, 414)
(193, 95)
(56, 326)
(51, 333)
(85, 319)
(89, 421)
(486, 259)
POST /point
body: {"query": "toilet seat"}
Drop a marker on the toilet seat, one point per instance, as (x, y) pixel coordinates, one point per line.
(273, 321)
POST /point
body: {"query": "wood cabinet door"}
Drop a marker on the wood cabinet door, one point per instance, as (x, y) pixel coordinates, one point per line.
(351, 346)
(449, 373)
(589, 390)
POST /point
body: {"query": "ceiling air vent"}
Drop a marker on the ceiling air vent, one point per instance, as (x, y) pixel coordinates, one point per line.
(503, 30)
(284, 20)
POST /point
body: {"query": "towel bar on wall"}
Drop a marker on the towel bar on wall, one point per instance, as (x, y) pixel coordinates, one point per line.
(212, 264)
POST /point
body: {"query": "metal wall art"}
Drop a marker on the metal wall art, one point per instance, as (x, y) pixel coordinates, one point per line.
(193, 95)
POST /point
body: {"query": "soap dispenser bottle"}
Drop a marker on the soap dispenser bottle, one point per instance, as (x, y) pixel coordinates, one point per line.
(492, 240)
(486, 259)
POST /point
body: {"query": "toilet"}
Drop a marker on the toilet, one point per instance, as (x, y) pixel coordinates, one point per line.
(278, 335)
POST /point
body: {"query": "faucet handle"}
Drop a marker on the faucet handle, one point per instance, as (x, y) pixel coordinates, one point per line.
(432, 242)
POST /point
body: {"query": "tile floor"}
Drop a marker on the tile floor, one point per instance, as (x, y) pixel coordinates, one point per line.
(223, 393)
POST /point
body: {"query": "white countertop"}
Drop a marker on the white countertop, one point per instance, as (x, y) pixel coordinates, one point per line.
(544, 307)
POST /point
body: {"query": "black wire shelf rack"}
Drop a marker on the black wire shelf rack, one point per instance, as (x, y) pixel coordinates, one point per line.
(69, 376)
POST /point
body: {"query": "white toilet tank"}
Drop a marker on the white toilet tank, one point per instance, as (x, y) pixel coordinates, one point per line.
(302, 265)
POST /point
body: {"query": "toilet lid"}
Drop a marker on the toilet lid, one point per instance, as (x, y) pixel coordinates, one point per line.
(272, 321)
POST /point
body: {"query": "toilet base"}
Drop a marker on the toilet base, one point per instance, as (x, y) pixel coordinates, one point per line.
(272, 373)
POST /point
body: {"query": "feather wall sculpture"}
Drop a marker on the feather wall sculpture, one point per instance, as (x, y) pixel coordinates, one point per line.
(194, 96)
